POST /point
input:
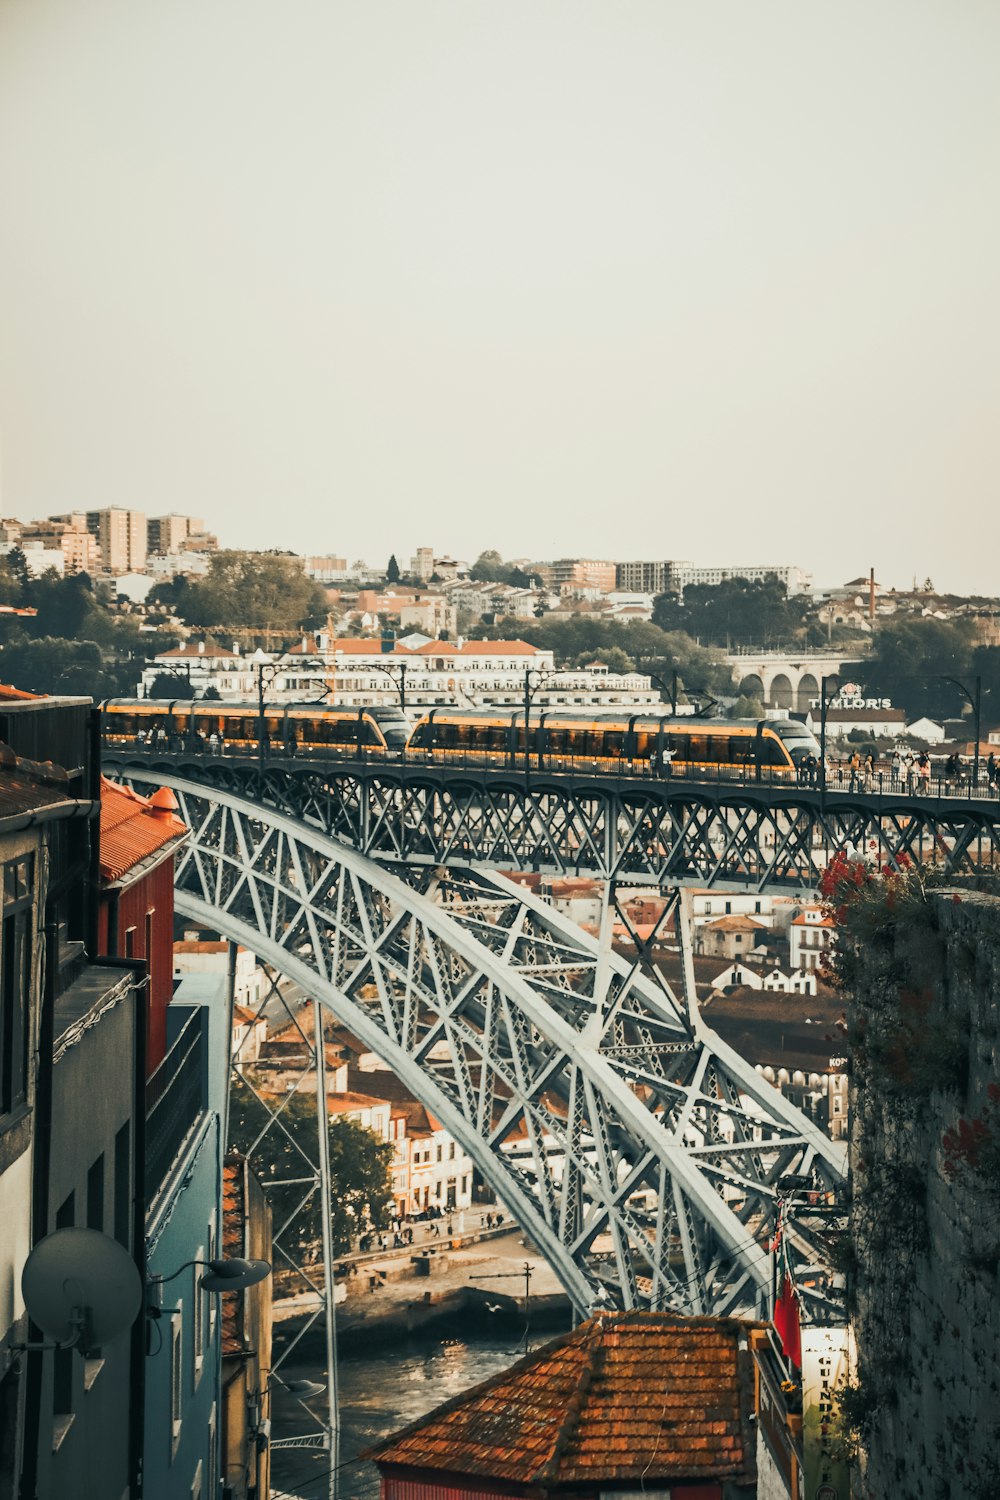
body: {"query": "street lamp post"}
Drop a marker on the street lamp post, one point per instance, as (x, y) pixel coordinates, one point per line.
(398, 682)
(529, 693)
(824, 700)
(975, 702)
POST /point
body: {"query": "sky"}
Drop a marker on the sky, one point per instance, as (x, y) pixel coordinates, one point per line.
(637, 278)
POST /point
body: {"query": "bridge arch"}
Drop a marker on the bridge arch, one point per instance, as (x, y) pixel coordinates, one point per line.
(807, 692)
(752, 686)
(642, 1170)
(781, 694)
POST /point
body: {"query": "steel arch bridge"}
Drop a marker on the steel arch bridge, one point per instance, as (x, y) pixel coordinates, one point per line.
(640, 1153)
(641, 830)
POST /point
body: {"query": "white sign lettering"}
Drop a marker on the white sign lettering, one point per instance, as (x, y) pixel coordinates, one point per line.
(858, 701)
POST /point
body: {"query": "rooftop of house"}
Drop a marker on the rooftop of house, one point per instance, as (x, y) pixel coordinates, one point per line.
(419, 1120)
(346, 1103)
(233, 1246)
(627, 1398)
(196, 650)
(734, 924)
(135, 828)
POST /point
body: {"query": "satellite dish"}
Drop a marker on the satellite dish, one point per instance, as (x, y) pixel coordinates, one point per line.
(79, 1284)
(234, 1275)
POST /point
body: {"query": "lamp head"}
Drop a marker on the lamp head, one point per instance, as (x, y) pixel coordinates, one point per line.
(234, 1275)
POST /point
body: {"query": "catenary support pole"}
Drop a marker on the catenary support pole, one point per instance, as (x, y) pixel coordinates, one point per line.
(329, 1286)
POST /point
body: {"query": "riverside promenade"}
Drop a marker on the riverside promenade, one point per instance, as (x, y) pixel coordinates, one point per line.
(477, 1273)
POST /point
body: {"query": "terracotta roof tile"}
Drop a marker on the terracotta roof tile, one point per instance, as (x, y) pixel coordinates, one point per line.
(233, 1247)
(629, 1396)
(132, 829)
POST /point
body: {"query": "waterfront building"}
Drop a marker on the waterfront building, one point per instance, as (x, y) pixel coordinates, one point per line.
(47, 993)
(185, 1109)
(140, 837)
(658, 1404)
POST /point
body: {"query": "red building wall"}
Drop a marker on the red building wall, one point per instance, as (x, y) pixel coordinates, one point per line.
(395, 1488)
(145, 913)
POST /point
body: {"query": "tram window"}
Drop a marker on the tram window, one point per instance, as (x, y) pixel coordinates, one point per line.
(698, 747)
(614, 740)
(773, 753)
(740, 749)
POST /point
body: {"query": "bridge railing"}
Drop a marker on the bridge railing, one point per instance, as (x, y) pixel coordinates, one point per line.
(882, 780)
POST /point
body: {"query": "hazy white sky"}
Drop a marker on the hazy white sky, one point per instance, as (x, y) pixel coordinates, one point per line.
(714, 279)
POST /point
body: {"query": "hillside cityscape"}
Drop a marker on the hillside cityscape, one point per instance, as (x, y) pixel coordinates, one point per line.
(115, 603)
(499, 751)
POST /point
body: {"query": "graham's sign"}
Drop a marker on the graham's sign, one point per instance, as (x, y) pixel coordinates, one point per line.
(851, 696)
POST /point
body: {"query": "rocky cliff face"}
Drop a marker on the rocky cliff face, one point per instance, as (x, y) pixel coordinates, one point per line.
(924, 1247)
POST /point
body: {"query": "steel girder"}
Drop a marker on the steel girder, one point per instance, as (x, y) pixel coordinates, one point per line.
(668, 833)
(642, 1154)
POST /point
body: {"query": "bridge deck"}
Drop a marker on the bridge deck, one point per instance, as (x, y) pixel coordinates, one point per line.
(610, 822)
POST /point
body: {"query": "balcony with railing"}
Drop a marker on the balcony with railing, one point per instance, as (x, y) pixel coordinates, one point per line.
(176, 1099)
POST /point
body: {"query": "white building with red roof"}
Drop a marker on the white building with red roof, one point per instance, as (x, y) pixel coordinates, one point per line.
(810, 935)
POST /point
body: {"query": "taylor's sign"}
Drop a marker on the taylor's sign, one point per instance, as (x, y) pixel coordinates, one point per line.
(852, 697)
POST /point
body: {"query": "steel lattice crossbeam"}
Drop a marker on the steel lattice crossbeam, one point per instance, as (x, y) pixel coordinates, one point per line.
(666, 834)
(642, 1154)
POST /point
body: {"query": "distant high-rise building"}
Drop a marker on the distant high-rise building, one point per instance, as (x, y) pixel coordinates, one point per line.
(121, 536)
(169, 533)
(796, 581)
(642, 577)
(582, 573)
(422, 563)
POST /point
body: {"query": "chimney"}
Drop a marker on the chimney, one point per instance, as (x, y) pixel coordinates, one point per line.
(201, 648)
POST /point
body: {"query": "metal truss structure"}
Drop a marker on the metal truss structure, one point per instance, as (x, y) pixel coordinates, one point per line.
(663, 833)
(642, 1155)
(308, 1287)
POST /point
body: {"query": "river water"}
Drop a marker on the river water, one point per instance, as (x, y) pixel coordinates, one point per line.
(382, 1389)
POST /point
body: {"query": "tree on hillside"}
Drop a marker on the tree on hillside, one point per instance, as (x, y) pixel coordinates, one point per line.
(361, 1182)
(17, 568)
(170, 685)
(747, 707)
(612, 657)
(56, 665)
(260, 590)
(652, 650)
(738, 611)
(65, 605)
(911, 660)
(392, 570)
